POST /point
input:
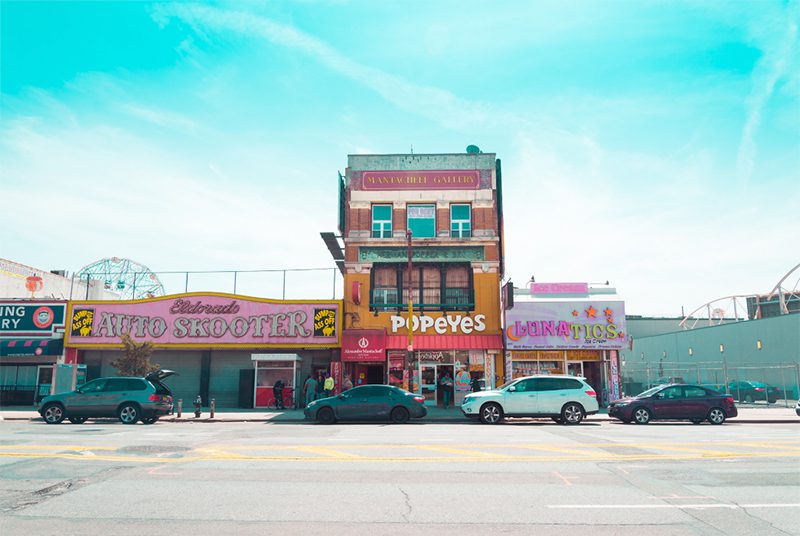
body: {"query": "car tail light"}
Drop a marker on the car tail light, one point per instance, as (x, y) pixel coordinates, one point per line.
(729, 399)
(759, 389)
(154, 398)
(419, 399)
(590, 393)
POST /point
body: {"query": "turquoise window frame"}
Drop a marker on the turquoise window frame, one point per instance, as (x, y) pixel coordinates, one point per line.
(381, 226)
(422, 227)
(460, 227)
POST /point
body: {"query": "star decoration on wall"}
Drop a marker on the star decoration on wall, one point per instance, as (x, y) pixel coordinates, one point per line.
(574, 312)
(610, 319)
(608, 311)
(591, 312)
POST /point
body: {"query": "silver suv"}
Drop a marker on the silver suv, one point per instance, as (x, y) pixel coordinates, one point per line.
(130, 399)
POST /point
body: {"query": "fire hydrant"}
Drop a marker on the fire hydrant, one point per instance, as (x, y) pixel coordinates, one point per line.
(198, 404)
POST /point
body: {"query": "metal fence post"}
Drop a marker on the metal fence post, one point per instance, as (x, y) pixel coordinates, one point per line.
(180, 407)
(783, 388)
(186, 288)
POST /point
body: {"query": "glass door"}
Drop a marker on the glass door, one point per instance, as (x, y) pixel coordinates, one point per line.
(44, 381)
(428, 384)
(575, 368)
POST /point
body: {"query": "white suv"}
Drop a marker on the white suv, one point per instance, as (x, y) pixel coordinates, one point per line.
(565, 399)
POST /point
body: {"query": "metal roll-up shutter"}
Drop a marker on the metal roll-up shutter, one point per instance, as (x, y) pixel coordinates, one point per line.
(186, 385)
(225, 377)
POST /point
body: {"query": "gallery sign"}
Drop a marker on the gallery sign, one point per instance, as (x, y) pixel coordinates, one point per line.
(31, 318)
(459, 179)
(364, 345)
(205, 319)
(566, 325)
(442, 325)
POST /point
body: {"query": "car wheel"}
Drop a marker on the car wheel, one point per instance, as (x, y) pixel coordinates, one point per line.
(716, 416)
(400, 415)
(641, 416)
(53, 413)
(748, 399)
(326, 416)
(696, 421)
(77, 420)
(128, 413)
(149, 420)
(491, 413)
(572, 413)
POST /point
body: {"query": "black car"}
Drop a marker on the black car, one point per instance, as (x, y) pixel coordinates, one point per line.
(675, 402)
(368, 403)
(747, 391)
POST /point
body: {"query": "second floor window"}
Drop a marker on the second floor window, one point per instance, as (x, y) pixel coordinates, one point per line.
(460, 221)
(422, 220)
(434, 287)
(381, 221)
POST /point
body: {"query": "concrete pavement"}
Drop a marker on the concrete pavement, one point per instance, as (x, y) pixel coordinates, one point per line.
(750, 415)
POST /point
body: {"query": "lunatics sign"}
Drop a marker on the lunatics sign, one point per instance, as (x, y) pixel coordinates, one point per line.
(204, 319)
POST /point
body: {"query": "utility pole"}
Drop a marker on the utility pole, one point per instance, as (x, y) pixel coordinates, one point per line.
(410, 347)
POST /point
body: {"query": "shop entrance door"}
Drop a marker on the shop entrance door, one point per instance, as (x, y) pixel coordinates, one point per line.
(575, 368)
(428, 383)
(441, 371)
(44, 380)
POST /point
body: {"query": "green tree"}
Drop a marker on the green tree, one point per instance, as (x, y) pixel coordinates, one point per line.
(135, 359)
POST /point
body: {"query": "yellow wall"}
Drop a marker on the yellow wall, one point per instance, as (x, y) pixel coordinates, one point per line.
(487, 302)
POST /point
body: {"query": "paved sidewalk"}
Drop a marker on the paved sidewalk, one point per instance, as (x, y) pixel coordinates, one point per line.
(438, 415)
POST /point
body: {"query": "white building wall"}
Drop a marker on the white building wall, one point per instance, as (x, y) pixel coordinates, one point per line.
(12, 284)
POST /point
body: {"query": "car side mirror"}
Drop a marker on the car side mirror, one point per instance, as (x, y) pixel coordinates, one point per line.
(659, 396)
(343, 396)
(512, 388)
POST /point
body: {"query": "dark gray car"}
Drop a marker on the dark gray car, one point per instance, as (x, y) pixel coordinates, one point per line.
(130, 399)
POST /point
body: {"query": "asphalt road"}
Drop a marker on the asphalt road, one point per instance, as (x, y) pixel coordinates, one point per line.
(523, 477)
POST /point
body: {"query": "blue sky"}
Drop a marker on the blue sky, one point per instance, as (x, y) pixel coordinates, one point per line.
(655, 145)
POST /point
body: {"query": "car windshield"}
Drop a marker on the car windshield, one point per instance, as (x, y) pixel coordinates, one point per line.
(650, 392)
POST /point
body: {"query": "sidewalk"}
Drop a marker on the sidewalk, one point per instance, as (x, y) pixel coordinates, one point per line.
(774, 415)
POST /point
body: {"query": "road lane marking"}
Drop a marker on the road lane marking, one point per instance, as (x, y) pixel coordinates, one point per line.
(330, 453)
(458, 451)
(562, 477)
(697, 506)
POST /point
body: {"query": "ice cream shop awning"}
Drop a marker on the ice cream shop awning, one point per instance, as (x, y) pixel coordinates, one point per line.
(31, 347)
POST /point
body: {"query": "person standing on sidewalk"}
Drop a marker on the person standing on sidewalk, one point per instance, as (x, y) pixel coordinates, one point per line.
(446, 385)
(309, 389)
(320, 382)
(347, 384)
(277, 391)
(328, 385)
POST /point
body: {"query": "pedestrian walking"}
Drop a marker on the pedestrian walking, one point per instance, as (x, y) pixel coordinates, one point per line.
(347, 384)
(277, 392)
(476, 384)
(309, 389)
(328, 385)
(446, 386)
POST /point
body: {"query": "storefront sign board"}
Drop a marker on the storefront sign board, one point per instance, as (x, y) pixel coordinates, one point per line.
(364, 345)
(205, 319)
(31, 318)
(556, 325)
(460, 179)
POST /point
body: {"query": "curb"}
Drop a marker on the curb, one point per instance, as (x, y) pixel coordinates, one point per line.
(432, 421)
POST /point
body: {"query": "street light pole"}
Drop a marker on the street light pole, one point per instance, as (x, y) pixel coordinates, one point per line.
(410, 347)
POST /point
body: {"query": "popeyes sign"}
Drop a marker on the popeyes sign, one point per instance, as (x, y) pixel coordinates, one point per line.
(205, 319)
(444, 324)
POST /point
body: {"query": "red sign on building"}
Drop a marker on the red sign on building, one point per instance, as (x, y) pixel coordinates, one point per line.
(360, 345)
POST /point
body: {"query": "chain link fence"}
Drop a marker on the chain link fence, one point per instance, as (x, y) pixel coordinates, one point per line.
(757, 386)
